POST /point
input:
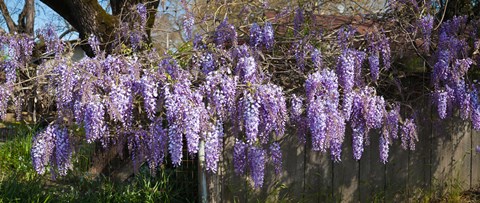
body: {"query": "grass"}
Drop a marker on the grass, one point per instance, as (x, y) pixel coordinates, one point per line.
(20, 183)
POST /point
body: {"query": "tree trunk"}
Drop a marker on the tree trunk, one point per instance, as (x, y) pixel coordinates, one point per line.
(87, 17)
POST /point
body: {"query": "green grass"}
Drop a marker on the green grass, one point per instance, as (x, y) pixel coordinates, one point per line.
(20, 183)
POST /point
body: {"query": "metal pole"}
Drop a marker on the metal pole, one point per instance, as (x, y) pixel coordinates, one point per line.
(202, 180)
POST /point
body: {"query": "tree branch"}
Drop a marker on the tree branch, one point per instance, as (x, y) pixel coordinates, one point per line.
(6, 15)
(26, 18)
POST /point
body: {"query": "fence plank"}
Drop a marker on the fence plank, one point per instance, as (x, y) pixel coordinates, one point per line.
(475, 170)
(345, 174)
(461, 155)
(419, 160)
(372, 172)
(233, 186)
(396, 173)
(318, 176)
(293, 174)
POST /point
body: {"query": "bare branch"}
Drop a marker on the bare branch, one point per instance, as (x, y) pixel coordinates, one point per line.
(10, 24)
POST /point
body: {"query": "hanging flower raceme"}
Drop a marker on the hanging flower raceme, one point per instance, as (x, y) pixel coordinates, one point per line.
(51, 147)
(326, 123)
(213, 146)
(273, 111)
(157, 142)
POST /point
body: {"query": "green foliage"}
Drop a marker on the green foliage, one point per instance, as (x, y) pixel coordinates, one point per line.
(20, 183)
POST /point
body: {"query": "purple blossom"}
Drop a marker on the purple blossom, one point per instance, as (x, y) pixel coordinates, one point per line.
(239, 156)
(52, 147)
(225, 32)
(390, 127)
(138, 147)
(94, 121)
(255, 35)
(142, 12)
(251, 116)
(150, 93)
(299, 53)
(442, 98)
(207, 62)
(384, 147)
(257, 157)
(317, 59)
(426, 26)
(121, 101)
(276, 157)
(213, 146)
(94, 44)
(5, 93)
(346, 70)
(157, 144)
(220, 91)
(374, 62)
(248, 69)
(375, 112)
(52, 42)
(268, 35)
(345, 35)
(273, 111)
(384, 47)
(173, 106)
(192, 122)
(409, 134)
(188, 22)
(297, 107)
(298, 21)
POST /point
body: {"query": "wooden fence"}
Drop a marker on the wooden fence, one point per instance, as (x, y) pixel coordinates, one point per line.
(444, 158)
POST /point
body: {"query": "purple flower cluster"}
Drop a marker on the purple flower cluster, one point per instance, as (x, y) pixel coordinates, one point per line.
(220, 91)
(390, 127)
(239, 157)
(276, 157)
(188, 22)
(426, 27)
(409, 134)
(298, 21)
(257, 157)
(259, 36)
(327, 125)
(256, 35)
(375, 111)
(52, 147)
(251, 116)
(224, 33)
(52, 42)
(384, 147)
(150, 93)
(248, 69)
(157, 144)
(317, 59)
(346, 69)
(94, 121)
(213, 146)
(138, 147)
(273, 111)
(5, 93)
(268, 35)
(442, 99)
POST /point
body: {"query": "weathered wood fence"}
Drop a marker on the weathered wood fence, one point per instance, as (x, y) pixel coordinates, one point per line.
(444, 158)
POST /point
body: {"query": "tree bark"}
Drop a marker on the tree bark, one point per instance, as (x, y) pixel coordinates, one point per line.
(27, 17)
(87, 17)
